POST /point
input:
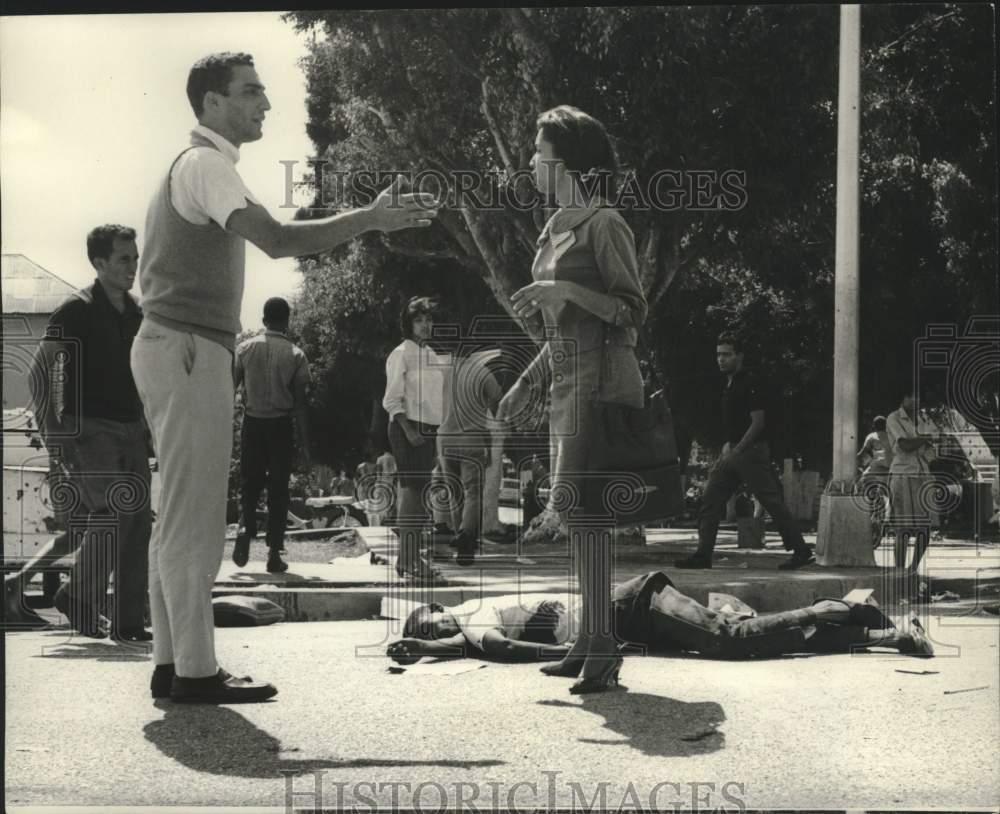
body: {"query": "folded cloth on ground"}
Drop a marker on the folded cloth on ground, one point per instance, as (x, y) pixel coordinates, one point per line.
(245, 611)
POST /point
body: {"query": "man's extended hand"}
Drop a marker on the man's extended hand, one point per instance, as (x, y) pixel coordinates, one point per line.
(393, 210)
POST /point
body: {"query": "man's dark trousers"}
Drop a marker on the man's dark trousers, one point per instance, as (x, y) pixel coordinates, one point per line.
(752, 466)
(266, 450)
(110, 520)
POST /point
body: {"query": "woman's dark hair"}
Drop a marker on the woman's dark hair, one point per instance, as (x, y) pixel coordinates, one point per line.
(878, 423)
(581, 142)
(418, 623)
(414, 307)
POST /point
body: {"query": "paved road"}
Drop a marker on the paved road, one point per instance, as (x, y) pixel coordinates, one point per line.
(820, 731)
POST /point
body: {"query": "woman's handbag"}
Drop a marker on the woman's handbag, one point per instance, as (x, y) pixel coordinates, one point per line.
(634, 473)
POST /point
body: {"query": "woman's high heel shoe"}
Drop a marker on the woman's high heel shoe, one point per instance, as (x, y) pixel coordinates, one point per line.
(605, 680)
(568, 667)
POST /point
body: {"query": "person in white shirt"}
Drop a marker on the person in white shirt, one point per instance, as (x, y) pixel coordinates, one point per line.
(192, 277)
(911, 442)
(875, 456)
(414, 400)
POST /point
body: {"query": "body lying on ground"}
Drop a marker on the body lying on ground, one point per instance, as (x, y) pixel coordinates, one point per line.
(650, 612)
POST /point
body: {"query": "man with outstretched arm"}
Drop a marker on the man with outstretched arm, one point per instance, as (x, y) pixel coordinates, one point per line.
(197, 225)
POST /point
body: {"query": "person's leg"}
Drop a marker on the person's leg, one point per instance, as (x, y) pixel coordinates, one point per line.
(921, 541)
(472, 471)
(900, 514)
(97, 468)
(279, 449)
(253, 471)
(186, 385)
(413, 477)
(723, 481)
(134, 527)
(451, 469)
(754, 466)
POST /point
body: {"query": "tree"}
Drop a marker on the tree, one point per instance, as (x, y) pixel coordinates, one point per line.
(750, 89)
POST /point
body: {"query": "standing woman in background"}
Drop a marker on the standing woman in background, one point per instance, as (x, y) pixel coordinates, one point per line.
(414, 393)
(586, 287)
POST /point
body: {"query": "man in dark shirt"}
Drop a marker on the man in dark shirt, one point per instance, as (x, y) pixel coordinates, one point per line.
(746, 458)
(91, 419)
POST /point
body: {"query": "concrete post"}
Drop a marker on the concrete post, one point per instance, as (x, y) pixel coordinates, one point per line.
(843, 535)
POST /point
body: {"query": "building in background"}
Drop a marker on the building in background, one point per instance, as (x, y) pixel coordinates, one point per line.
(30, 295)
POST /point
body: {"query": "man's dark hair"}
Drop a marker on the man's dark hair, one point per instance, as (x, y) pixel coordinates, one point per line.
(276, 311)
(214, 73)
(414, 307)
(582, 143)
(101, 240)
(732, 340)
(418, 623)
(878, 423)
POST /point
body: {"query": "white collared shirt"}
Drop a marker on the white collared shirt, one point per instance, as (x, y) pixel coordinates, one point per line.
(414, 383)
(900, 425)
(205, 185)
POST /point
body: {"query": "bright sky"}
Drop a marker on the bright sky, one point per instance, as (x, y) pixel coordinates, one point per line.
(94, 109)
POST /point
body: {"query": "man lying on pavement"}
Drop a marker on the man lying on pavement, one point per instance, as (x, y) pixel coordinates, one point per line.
(648, 611)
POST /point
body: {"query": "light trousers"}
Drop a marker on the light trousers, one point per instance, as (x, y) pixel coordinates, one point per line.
(186, 385)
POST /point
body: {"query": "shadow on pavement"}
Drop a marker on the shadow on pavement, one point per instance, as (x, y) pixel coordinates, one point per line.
(218, 740)
(654, 724)
(68, 645)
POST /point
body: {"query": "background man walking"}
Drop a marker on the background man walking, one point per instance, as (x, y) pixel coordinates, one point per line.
(746, 458)
(90, 418)
(274, 374)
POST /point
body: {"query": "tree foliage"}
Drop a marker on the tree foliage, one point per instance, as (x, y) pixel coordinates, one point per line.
(752, 89)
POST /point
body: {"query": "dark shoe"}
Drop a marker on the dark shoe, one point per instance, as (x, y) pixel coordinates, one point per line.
(800, 557)
(567, 667)
(128, 636)
(241, 551)
(276, 565)
(222, 688)
(465, 548)
(606, 679)
(694, 561)
(506, 534)
(163, 677)
(91, 629)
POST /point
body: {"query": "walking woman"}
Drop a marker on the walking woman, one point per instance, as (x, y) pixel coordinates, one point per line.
(586, 287)
(413, 398)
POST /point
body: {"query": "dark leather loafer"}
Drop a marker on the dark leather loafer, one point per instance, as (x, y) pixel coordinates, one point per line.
(163, 677)
(222, 688)
(276, 565)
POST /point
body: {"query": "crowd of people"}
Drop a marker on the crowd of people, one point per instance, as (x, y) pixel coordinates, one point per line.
(118, 385)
